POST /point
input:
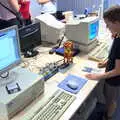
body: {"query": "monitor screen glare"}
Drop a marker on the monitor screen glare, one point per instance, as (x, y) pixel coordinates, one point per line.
(9, 49)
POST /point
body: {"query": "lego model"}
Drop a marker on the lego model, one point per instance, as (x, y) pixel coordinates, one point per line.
(68, 52)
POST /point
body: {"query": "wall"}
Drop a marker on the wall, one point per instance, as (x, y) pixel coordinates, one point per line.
(112, 2)
(108, 3)
(78, 6)
(34, 8)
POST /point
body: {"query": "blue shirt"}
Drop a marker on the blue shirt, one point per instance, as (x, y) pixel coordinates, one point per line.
(49, 7)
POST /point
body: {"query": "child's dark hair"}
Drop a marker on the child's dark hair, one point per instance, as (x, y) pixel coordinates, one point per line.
(112, 14)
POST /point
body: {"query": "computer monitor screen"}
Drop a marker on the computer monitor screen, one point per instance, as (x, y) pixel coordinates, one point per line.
(93, 30)
(30, 36)
(9, 49)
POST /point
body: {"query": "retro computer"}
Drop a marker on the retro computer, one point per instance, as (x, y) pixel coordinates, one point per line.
(51, 29)
(18, 86)
(84, 32)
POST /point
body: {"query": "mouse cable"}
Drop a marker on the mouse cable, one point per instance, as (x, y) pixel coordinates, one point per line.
(59, 61)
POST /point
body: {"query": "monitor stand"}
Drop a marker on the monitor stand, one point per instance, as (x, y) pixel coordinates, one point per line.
(30, 53)
(8, 77)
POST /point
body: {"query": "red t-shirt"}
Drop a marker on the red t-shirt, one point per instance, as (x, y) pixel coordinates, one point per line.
(24, 8)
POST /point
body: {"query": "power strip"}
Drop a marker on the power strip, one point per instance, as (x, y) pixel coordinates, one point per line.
(48, 71)
(50, 74)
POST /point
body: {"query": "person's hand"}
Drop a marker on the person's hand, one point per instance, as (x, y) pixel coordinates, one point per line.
(20, 18)
(102, 64)
(93, 76)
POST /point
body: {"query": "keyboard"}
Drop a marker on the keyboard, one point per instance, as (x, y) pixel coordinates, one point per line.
(100, 53)
(55, 106)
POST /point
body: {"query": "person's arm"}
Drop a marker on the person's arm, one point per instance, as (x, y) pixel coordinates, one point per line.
(14, 4)
(112, 73)
(43, 1)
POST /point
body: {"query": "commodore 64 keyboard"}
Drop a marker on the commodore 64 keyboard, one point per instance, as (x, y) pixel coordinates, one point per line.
(100, 53)
(55, 106)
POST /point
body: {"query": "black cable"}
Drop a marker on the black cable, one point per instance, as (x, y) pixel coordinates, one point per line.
(56, 47)
(59, 61)
(61, 40)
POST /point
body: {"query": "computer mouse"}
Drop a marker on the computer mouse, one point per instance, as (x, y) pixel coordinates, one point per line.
(73, 84)
(30, 53)
(51, 51)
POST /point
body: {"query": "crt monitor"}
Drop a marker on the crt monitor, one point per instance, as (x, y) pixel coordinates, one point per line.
(83, 31)
(10, 50)
(30, 37)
